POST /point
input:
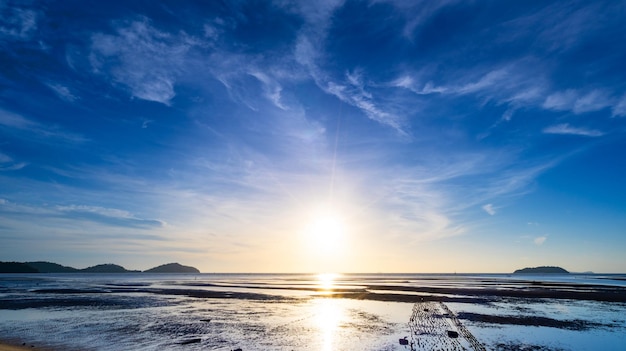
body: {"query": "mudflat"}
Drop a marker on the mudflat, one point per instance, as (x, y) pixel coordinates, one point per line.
(4, 346)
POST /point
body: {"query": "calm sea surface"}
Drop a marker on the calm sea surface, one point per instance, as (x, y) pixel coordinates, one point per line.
(307, 312)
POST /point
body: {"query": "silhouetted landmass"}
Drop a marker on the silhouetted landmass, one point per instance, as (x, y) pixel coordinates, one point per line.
(172, 268)
(49, 267)
(16, 267)
(542, 270)
(107, 268)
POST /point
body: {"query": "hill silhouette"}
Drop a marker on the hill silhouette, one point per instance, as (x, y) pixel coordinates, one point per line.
(172, 268)
(542, 270)
(16, 267)
(50, 267)
(107, 268)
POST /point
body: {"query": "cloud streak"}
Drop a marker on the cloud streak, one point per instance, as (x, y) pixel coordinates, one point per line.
(566, 129)
(540, 240)
(17, 122)
(489, 209)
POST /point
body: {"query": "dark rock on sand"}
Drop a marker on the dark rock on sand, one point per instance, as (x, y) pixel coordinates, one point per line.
(190, 341)
(453, 334)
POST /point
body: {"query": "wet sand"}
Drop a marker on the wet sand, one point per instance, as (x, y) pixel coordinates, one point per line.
(441, 307)
(5, 346)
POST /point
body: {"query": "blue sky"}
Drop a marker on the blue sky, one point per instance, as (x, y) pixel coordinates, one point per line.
(286, 136)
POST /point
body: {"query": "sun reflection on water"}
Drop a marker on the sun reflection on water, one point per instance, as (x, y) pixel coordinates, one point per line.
(328, 312)
(328, 317)
(326, 281)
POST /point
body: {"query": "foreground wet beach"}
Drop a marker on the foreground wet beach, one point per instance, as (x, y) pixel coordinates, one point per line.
(310, 312)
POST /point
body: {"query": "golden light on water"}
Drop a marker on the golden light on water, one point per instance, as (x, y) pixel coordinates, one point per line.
(329, 315)
(326, 281)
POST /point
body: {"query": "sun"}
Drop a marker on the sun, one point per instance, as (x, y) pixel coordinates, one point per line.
(326, 232)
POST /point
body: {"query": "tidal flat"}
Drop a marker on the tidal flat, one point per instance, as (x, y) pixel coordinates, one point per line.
(313, 312)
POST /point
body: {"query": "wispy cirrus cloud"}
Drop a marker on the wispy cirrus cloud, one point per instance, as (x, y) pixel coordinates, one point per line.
(271, 88)
(102, 216)
(526, 79)
(18, 23)
(108, 216)
(540, 240)
(351, 89)
(561, 26)
(619, 110)
(63, 92)
(13, 121)
(142, 58)
(8, 164)
(565, 128)
(577, 102)
(13, 166)
(489, 209)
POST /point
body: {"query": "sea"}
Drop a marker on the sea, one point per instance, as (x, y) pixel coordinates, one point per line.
(143, 311)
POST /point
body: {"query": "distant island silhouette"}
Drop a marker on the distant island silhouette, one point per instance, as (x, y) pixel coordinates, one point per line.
(172, 268)
(542, 270)
(49, 267)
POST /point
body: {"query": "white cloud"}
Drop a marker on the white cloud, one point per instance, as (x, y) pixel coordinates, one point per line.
(146, 123)
(489, 209)
(577, 102)
(489, 80)
(508, 114)
(9, 119)
(142, 58)
(15, 121)
(540, 240)
(108, 212)
(406, 81)
(63, 92)
(351, 89)
(108, 216)
(7, 163)
(619, 110)
(516, 85)
(13, 167)
(17, 23)
(356, 96)
(271, 87)
(561, 101)
(595, 100)
(565, 128)
(417, 12)
(5, 158)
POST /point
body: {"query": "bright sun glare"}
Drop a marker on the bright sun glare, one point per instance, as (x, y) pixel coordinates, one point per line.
(326, 232)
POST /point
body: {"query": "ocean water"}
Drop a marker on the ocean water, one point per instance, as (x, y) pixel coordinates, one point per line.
(310, 312)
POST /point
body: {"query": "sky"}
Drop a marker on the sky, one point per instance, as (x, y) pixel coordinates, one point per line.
(314, 136)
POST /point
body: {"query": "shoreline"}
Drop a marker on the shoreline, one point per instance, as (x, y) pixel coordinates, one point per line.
(14, 346)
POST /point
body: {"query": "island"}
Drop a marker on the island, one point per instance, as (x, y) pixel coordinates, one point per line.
(49, 267)
(172, 268)
(541, 270)
(107, 268)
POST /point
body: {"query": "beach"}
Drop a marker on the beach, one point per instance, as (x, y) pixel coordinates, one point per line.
(304, 312)
(5, 346)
